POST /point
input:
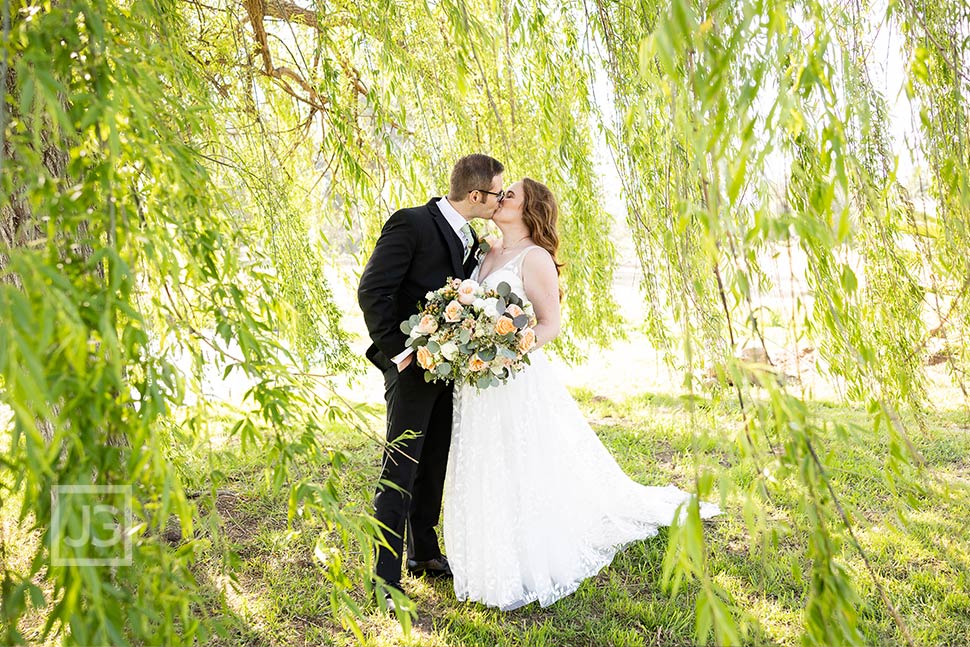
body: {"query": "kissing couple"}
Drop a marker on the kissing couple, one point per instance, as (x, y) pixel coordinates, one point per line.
(533, 501)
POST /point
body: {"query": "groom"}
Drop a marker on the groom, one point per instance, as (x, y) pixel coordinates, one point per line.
(418, 249)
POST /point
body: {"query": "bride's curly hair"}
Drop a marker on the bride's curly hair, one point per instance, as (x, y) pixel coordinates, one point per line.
(540, 213)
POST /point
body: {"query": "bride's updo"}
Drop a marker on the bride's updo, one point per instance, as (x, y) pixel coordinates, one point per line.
(540, 213)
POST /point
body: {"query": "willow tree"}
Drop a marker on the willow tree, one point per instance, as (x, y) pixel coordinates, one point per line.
(936, 41)
(122, 247)
(710, 103)
(177, 176)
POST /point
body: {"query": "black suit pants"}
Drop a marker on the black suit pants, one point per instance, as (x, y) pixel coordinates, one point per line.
(417, 466)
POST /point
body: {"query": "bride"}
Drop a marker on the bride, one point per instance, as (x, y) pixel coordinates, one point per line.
(534, 503)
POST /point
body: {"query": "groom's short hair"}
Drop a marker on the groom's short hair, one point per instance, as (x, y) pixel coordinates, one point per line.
(473, 172)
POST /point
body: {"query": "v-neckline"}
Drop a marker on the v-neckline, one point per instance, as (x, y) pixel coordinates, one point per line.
(501, 267)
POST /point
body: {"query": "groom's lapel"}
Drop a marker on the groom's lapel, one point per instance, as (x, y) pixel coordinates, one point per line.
(451, 238)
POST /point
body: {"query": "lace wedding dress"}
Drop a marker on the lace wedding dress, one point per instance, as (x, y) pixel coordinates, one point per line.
(534, 503)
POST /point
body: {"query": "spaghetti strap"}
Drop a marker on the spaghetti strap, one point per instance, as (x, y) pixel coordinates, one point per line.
(520, 259)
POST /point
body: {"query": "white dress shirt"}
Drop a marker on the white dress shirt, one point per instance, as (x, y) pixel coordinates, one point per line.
(457, 221)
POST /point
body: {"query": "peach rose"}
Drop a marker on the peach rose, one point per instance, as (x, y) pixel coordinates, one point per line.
(453, 312)
(514, 311)
(466, 292)
(425, 358)
(527, 340)
(475, 363)
(504, 326)
(427, 325)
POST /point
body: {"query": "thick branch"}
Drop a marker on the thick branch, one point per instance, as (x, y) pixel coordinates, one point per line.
(282, 10)
(257, 10)
(290, 12)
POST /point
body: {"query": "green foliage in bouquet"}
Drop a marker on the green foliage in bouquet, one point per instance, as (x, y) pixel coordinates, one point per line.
(469, 334)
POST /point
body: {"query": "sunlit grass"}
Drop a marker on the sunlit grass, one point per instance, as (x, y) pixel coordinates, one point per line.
(920, 556)
(264, 585)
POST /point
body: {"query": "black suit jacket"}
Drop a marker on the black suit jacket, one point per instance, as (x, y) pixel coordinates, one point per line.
(416, 253)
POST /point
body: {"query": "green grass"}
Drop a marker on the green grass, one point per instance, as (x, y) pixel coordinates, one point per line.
(921, 557)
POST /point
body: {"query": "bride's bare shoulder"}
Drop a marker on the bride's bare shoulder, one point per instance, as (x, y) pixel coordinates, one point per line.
(538, 262)
(537, 256)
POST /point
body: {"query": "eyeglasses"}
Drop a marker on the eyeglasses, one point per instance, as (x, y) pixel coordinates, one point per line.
(499, 196)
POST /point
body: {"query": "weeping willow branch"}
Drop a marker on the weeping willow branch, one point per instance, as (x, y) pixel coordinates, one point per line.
(865, 558)
(953, 64)
(257, 11)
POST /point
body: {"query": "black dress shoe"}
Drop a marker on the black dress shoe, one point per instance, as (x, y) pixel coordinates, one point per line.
(437, 567)
(390, 606)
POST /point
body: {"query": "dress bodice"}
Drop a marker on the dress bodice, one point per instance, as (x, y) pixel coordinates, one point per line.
(510, 272)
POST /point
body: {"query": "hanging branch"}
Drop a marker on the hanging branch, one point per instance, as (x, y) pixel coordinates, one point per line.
(257, 11)
(488, 89)
(941, 49)
(855, 542)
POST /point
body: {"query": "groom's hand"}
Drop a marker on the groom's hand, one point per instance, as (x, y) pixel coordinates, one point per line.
(404, 362)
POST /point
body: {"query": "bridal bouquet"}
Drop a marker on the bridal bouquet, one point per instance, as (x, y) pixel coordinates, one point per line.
(470, 334)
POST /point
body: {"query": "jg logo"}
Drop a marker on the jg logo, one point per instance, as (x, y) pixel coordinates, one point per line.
(89, 525)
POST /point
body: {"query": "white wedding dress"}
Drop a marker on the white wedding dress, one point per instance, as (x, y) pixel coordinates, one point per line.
(534, 503)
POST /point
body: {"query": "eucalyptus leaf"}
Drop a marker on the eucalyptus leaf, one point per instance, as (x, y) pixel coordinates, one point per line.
(487, 354)
(507, 352)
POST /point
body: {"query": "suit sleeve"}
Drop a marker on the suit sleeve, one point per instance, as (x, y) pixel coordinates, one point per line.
(380, 283)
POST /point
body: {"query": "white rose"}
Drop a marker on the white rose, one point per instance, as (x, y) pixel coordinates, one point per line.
(449, 350)
(491, 308)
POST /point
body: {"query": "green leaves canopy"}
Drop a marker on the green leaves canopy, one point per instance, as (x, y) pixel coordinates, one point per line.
(178, 176)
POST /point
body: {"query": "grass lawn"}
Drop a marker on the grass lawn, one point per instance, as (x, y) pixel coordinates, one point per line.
(921, 556)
